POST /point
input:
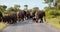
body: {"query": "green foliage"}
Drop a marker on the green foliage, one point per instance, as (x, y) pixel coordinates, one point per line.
(13, 9)
(10, 9)
(55, 3)
(26, 7)
(16, 7)
(3, 8)
(53, 13)
(35, 8)
(49, 2)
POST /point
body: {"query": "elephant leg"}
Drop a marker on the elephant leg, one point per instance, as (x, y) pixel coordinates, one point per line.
(36, 20)
(41, 20)
(22, 19)
(15, 21)
(9, 22)
(19, 19)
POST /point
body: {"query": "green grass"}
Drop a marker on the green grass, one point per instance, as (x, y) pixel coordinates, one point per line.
(54, 22)
(2, 25)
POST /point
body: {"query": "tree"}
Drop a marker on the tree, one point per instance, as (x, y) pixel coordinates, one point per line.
(26, 7)
(57, 4)
(10, 9)
(35, 9)
(3, 8)
(13, 9)
(49, 2)
(16, 7)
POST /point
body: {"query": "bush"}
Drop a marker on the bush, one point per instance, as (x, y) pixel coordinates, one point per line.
(53, 13)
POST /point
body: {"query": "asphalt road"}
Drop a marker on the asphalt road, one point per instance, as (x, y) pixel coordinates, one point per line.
(29, 26)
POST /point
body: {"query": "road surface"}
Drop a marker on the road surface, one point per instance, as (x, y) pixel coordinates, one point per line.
(29, 26)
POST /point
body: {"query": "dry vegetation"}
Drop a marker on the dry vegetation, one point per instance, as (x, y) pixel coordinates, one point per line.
(3, 25)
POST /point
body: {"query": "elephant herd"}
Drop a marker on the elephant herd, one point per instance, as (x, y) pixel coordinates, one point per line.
(23, 15)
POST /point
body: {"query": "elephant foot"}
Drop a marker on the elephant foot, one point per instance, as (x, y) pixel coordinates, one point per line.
(41, 21)
(36, 21)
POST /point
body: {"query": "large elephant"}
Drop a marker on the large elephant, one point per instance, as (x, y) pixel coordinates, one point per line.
(14, 17)
(39, 15)
(6, 19)
(10, 18)
(21, 15)
(26, 14)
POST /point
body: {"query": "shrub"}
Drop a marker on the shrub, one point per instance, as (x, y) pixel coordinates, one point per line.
(53, 13)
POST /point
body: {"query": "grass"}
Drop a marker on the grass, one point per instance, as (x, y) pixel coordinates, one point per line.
(2, 25)
(54, 22)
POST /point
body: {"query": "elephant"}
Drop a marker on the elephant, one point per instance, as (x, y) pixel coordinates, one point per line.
(39, 15)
